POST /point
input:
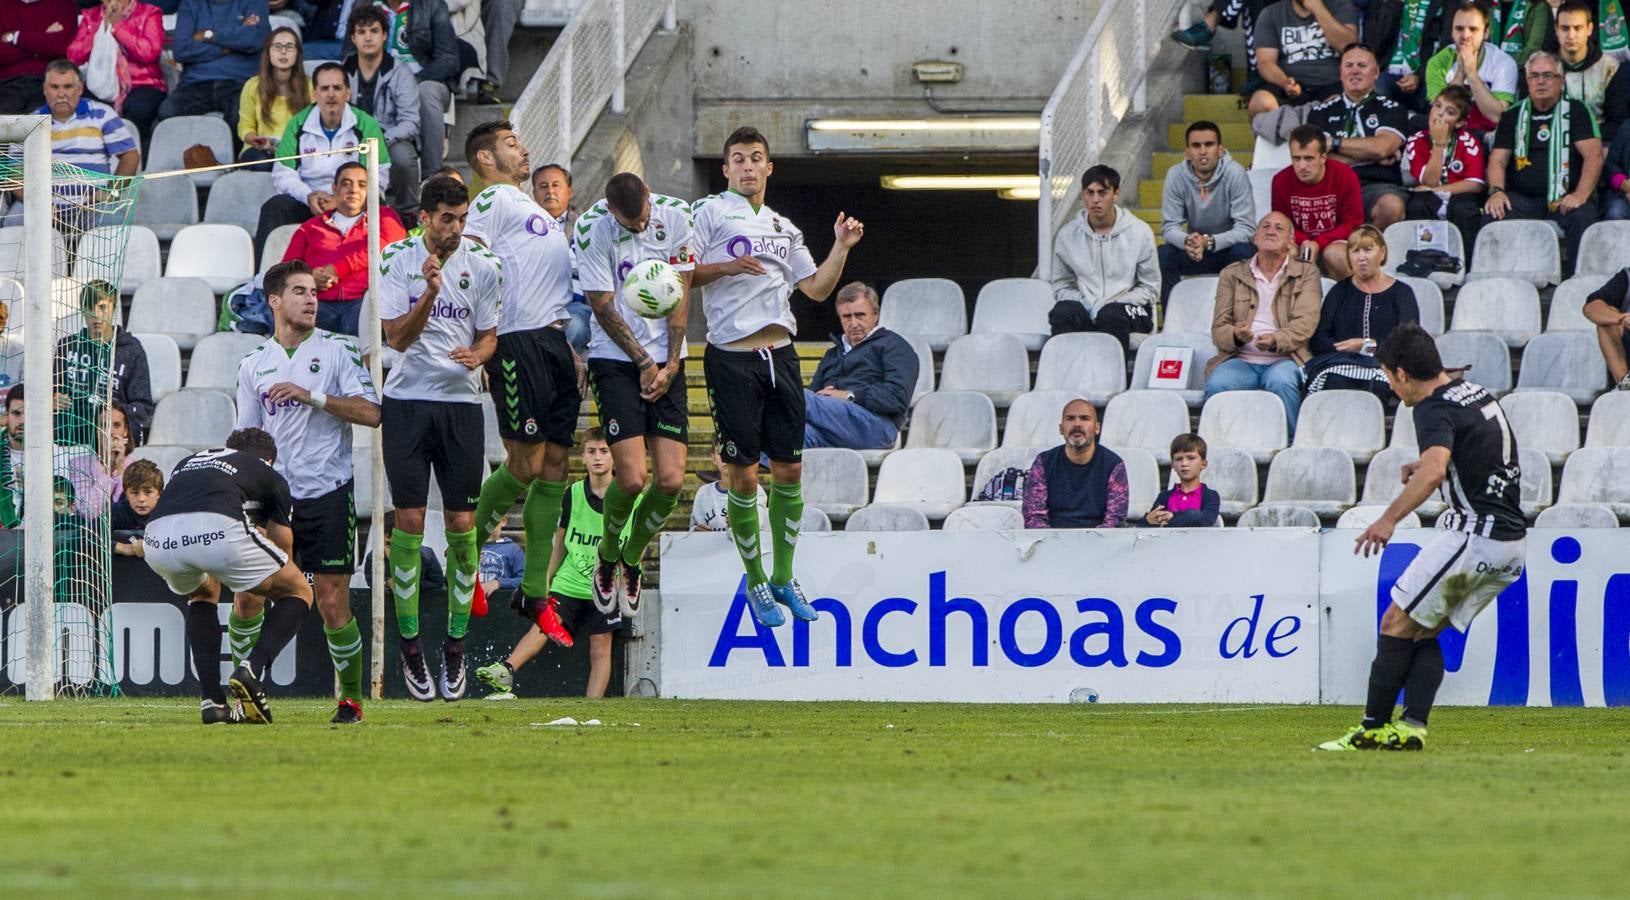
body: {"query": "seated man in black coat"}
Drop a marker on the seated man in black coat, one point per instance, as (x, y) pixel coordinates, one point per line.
(859, 394)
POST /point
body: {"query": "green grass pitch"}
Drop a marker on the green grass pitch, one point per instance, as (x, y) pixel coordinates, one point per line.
(705, 799)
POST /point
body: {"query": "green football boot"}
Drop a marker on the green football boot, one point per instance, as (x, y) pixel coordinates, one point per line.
(1358, 738)
(496, 678)
(1404, 736)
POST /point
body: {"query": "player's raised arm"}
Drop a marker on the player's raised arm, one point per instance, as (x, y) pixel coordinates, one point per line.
(847, 232)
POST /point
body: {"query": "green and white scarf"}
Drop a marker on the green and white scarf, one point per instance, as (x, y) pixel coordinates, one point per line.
(1610, 30)
(1556, 147)
(1511, 30)
(1407, 53)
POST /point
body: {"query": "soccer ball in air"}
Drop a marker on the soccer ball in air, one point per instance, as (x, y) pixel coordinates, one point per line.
(652, 289)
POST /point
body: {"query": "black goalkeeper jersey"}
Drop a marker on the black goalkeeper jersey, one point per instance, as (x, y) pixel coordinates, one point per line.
(1483, 486)
(232, 483)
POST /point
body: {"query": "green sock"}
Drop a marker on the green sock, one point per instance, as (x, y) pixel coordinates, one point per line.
(345, 649)
(405, 570)
(614, 511)
(498, 493)
(541, 516)
(742, 513)
(786, 518)
(241, 635)
(649, 515)
(463, 566)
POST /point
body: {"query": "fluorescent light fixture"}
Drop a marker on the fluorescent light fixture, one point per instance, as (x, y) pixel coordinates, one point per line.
(1033, 192)
(961, 183)
(958, 123)
(937, 134)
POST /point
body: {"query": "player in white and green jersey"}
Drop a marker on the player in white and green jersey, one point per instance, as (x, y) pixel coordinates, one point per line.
(637, 371)
(439, 307)
(751, 259)
(307, 388)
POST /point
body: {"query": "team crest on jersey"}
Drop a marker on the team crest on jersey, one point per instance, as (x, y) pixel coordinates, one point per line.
(1544, 134)
(315, 365)
(531, 426)
(613, 428)
(776, 224)
(464, 281)
(730, 448)
(1373, 122)
(661, 235)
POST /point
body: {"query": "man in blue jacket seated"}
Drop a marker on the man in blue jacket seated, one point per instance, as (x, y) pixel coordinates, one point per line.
(218, 44)
(859, 394)
(1188, 504)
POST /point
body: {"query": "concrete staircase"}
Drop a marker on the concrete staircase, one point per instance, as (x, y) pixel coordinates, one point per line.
(1228, 111)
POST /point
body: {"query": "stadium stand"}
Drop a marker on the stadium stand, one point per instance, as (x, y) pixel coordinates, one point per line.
(1146, 420)
(925, 367)
(1429, 301)
(1598, 475)
(181, 308)
(963, 422)
(141, 256)
(1190, 306)
(928, 480)
(11, 252)
(887, 517)
(1033, 419)
(215, 360)
(835, 481)
(1546, 421)
(1365, 516)
(1381, 478)
(165, 456)
(813, 520)
(995, 365)
(1142, 481)
(1609, 424)
(236, 198)
(166, 205)
(1484, 353)
(196, 419)
(1086, 363)
(1232, 474)
(163, 364)
(1016, 306)
(1204, 350)
(1505, 307)
(1319, 478)
(1604, 249)
(277, 244)
(995, 463)
(933, 309)
(1279, 515)
(1350, 421)
(222, 255)
(1567, 311)
(1253, 421)
(1568, 361)
(1577, 515)
(1400, 238)
(172, 137)
(984, 518)
(1525, 249)
(1537, 490)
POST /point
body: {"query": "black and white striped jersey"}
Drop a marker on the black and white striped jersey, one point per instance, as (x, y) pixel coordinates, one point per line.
(1483, 486)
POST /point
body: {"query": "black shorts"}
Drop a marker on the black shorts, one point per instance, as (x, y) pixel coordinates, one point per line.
(325, 532)
(757, 398)
(534, 384)
(421, 435)
(624, 414)
(579, 616)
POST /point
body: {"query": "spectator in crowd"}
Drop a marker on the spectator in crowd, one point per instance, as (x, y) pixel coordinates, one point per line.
(1445, 165)
(117, 439)
(1616, 102)
(1366, 131)
(1608, 308)
(1405, 35)
(11, 349)
(502, 562)
(1189, 503)
(218, 44)
(335, 245)
(710, 508)
(1617, 192)
(421, 37)
(860, 392)
(1587, 73)
(1296, 44)
(1105, 276)
(117, 47)
(323, 35)
(1476, 64)
(1542, 27)
(1078, 484)
(331, 123)
(32, 34)
(1530, 175)
(1358, 313)
(1207, 210)
(11, 460)
(85, 133)
(498, 18)
(90, 486)
(1242, 14)
(1267, 309)
(552, 190)
(386, 90)
(89, 378)
(143, 484)
(1321, 197)
(271, 98)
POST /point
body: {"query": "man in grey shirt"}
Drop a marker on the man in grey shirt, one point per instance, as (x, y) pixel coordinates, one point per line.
(1207, 211)
(1298, 51)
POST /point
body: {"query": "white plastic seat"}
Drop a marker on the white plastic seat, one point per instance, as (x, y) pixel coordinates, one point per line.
(925, 364)
(1400, 239)
(1319, 478)
(1351, 421)
(996, 365)
(182, 308)
(194, 419)
(1382, 482)
(237, 197)
(1034, 417)
(1598, 475)
(1524, 249)
(1087, 363)
(100, 246)
(1232, 474)
(999, 460)
(1604, 249)
(927, 479)
(222, 255)
(1569, 362)
(163, 363)
(1505, 307)
(985, 517)
(1403, 429)
(167, 205)
(1428, 300)
(835, 481)
(11, 253)
(1253, 421)
(1577, 515)
(1545, 421)
(214, 362)
(1325, 284)
(1147, 420)
(1537, 491)
(1262, 181)
(172, 137)
(1361, 517)
(1271, 157)
(963, 422)
(1279, 515)
(933, 309)
(1016, 306)
(362, 461)
(1204, 350)
(1142, 481)
(493, 448)
(1609, 424)
(1568, 304)
(887, 517)
(1192, 305)
(277, 244)
(814, 520)
(1488, 356)
(165, 456)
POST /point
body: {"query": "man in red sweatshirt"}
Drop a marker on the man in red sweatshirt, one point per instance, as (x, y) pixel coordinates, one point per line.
(1323, 199)
(335, 245)
(32, 33)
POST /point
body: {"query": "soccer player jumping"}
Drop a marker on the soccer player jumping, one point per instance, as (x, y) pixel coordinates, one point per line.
(751, 259)
(1468, 449)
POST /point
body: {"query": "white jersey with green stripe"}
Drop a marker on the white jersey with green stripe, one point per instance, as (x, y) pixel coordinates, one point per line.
(471, 280)
(726, 226)
(536, 255)
(313, 446)
(607, 252)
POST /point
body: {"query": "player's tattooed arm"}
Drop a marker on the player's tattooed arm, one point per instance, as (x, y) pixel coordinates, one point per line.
(617, 329)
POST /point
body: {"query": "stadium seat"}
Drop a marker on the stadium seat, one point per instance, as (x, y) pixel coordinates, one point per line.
(1598, 475)
(835, 481)
(1192, 305)
(1203, 349)
(1568, 361)
(1232, 474)
(1016, 306)
(214, 362)
(277, 244)
(1504, 307)
(1382, 482)
(222, 255)
(1147, 420)
(1545, 421)
(1000, 460)
(495, 452)
(814, 520)
(97, 248)
(11, 253)
(1604, 249)
(925, 364)
(1363, 516)
(927, 479)
(172, 137)
(1325, 284)
(1525, 249)
(165, 456)
(1319, 478)
(1568, 304)
(1268, 156)
(1400, 238)
(1262, 183)
(887, 517)
(1429, 300)
(1487, 355)
(963, 422)
(1086, 363)
(182, 308)
(163, 363)
(193, 419)
(237, 197)
(1033, 419)
(1403, 429)
(1279, 515)
(1253, 421)
(1537, 489)
(167, 205)
(1351, 421)
(985, 517)
(1609, 424)
(1142, 481)
(933, 309)
(1577, 515)
(362, 460)
(996, 365)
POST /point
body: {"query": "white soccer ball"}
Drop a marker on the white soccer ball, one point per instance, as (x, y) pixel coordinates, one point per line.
(652, 289)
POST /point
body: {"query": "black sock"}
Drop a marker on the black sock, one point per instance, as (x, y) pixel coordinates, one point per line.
(204, 637)
(282, 623)
(1387, 673)
(509, 667)
(1421, 686)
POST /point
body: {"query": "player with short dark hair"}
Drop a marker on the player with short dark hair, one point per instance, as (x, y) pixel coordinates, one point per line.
(1468, 450)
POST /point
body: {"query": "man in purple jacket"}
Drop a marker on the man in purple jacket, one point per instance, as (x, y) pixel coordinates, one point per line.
(859, 394)
(1079, 484)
